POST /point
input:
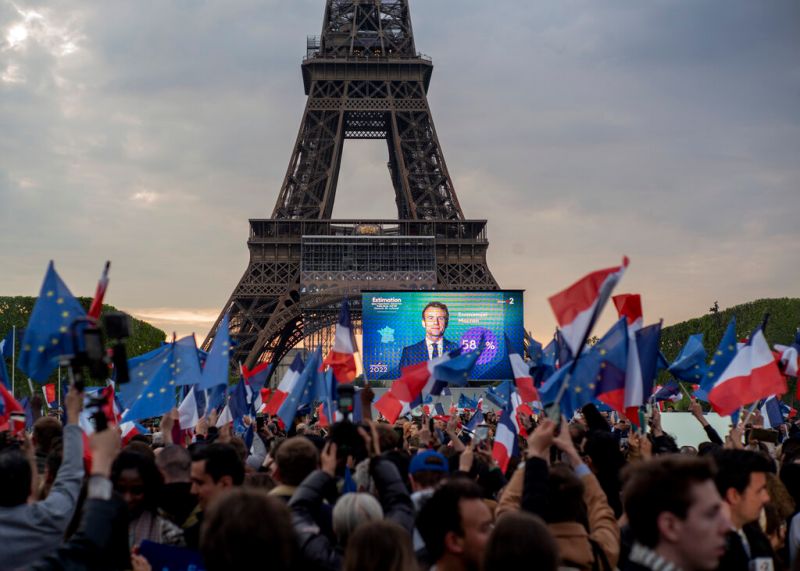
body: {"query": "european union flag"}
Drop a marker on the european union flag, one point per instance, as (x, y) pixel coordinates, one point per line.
(601, 370)
(186, 359)
(303, 391)
(476, 419)
(153, 379)
(546, 365)
(7, 344)
(4, 378)
(500, 395)
(564, 353)
(238, 402)
(49, 332)
(726, 351)
(456, 371)
(143, 370)
(218, 361)
(690, 364)
(465, 402)
(215, 398)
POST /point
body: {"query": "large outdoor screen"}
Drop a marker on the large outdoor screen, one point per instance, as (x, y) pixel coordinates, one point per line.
(407, 327)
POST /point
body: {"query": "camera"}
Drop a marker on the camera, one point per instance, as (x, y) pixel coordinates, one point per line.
(90, 354)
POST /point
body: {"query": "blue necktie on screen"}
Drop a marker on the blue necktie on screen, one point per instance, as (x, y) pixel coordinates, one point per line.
(435, 351)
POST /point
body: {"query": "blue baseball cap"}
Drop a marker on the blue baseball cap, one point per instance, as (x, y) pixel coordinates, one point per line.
(428, 461)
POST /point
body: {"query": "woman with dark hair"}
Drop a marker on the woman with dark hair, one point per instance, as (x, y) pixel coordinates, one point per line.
(379, 546)
(519, 539)
(137, 479)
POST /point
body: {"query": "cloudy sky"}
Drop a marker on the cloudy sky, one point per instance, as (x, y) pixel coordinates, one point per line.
(148, 132)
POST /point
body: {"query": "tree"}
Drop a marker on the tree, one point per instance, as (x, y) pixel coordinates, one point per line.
(16, 311)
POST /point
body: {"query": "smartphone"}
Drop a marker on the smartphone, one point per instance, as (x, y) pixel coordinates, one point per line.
(481, 433)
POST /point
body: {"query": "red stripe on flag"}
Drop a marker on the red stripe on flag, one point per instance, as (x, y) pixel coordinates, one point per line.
(389, 407)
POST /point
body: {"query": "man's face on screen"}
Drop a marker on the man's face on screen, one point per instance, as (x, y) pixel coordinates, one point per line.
(435, 322)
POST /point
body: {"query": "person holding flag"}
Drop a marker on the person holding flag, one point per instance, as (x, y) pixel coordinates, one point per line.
(30, 530)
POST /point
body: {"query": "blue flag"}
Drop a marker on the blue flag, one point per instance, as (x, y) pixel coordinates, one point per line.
(599, 371)
(690, 364)
(647, 343)
(546, 366)
(668, 391)
(143, 370)
(49, 332)
(239, 403)
(187, 362)
(156, 384)
(303, 391)
(465, 402)
(500, 395)
(4, 378)
(7, 344)
(476, 419)
(564, 353)
(215, 398)
(218, 361)
(726, 351)
(456, 371)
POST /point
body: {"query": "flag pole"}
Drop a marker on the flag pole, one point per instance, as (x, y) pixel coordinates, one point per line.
(685, 391)
(13, 356)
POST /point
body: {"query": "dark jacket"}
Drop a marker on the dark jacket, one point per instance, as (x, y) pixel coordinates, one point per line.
(97, 543)
(736, 558)
(418, 352)
(317, 550)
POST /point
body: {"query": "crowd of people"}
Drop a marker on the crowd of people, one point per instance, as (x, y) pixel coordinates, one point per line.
(591, 493)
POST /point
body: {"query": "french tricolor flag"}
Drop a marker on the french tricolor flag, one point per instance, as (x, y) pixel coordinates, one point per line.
(391, 407)
(49, 392)
(772, 412)
(286, 385)
(99, 294)
(255, 379)
(342, 356)
(8, 406)
(129, 430)
(505, 439)
(752, 375)
(188, 413)
(577, 307)
(522, 375)
(419, 380)
(629, 306)
(790, 357)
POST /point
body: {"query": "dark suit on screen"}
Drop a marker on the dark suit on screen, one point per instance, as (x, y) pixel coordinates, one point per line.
(418, 352)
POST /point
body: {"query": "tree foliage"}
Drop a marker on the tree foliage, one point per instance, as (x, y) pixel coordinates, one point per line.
(784, 319)
(15, 311)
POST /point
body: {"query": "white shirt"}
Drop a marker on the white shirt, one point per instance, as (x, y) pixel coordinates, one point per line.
(439, 347)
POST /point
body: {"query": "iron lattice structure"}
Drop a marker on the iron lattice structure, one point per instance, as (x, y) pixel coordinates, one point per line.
(364, 80)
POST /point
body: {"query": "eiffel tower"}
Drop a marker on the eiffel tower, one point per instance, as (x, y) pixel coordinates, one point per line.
(364, 80)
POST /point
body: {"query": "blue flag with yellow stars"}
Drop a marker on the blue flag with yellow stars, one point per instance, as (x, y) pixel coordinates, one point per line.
(218, 361)
(600, 370)
(690, 364)
(151, 390)
(49, 332)
(303, 391)
(186, 359)
(500, 395)
(456, 370)
(726, 351)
